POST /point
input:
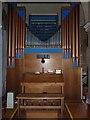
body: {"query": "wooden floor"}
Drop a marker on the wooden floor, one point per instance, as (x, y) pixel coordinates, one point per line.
(41, 114)
(10, 114)
(78, 110)
(71, 112)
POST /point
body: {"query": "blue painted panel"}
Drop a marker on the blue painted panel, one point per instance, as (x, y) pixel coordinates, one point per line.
(11, 63)
(65, 13)
(42, 50)
(64, 56)
(75, 63)
(21, 14)
(67, 54)
(43, 17)
(19, 55)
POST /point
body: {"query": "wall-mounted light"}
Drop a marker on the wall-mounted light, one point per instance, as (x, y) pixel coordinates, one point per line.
(42, 61)
(43, 57)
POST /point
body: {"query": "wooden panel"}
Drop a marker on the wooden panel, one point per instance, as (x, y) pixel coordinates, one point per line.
(39, 83)
(14, 77)
(49, 78)
(10, 79)
(72, 78)
(39, 96)
(19, 74)
(67, 75)
(43, 87)
(32, 64)
(77, 83)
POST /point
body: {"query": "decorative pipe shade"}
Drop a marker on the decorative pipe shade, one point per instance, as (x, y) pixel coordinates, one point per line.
(43, 26)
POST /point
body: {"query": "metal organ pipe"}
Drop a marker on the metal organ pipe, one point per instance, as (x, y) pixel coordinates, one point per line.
(13, 33)
(9, 34)
(63, 36)
(73, 33)
(67, 32)
(70, 32)
(23, 41)
(69, 44)
(77, 33)
(16, 44)
(19, 33)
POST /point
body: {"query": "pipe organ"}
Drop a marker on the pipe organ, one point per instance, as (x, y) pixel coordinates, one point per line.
(29, 66)
(15, 33)
(70, 32)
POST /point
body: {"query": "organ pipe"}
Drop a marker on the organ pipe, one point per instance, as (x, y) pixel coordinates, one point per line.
(67, 32)
(9, 31)
(63, 36)
(21, 46)
(73, 33)
(77, 33)
(23, 42)
(19, 33)
(70, 23)
(13, 33)
(70, 32)
(16, 45)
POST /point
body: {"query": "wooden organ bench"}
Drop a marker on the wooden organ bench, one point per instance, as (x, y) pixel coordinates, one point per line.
(42, 91)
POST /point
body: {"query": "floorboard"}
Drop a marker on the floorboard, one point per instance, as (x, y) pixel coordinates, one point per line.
(78, 110)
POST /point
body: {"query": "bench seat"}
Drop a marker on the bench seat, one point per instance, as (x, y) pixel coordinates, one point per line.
(23, 98)
(40, 96)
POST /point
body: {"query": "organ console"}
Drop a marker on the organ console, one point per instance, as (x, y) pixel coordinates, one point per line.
(42, 91)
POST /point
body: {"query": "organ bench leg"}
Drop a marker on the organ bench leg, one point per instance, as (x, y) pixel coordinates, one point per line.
(18, 106)
(62, 107)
